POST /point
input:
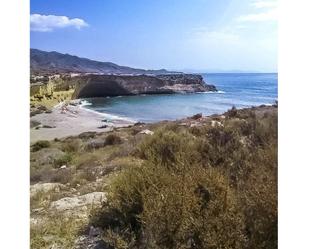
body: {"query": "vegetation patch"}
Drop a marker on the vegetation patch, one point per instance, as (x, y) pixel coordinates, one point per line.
(40, 145)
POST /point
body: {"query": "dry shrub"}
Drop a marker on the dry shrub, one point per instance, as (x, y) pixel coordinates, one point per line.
(196, 209)
(259, 199)
(231, 113)
(165, 208)
(87, 161)
(62, 175)
(112, 139)
(71, 145)
(167, 148)
(208, 191)
(40, 145)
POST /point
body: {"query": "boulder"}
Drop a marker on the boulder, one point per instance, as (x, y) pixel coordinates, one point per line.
(70, 203)
(215, 123)
(147, 132)
(95, 144)
(197, 116)
(34, 123)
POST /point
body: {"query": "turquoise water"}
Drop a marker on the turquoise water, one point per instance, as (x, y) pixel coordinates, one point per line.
(240, 90)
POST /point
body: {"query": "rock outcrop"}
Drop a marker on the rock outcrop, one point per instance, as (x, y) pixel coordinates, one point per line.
(87, 86)
(69, 203)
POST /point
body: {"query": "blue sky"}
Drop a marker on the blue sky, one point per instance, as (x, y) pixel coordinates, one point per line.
(196, 35)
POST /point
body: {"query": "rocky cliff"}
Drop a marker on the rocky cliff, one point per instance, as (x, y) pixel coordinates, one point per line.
(87, 86)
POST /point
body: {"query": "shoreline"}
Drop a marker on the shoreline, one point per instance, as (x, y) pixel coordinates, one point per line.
(72, 118)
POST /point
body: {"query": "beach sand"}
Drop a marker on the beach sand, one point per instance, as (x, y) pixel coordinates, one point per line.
(68, 120)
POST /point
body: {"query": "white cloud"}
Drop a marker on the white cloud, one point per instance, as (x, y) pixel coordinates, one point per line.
(45, 23)
(270, 15)
(264, 4)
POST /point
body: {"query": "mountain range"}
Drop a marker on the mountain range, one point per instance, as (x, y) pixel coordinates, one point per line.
(42, 62)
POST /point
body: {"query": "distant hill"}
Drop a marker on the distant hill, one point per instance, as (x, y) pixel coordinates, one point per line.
(42, 62)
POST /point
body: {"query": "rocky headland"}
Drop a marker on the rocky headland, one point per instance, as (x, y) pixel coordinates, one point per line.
(115, 85)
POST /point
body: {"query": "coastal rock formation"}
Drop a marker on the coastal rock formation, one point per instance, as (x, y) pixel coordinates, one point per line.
(115, 85)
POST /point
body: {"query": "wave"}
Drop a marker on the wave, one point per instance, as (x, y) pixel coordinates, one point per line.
(85, 103)
(108, 116)
(211, 92)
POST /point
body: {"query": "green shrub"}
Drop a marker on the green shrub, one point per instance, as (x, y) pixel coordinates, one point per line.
(40, 145)
(112, 139)
(65, 159)
(168, 148)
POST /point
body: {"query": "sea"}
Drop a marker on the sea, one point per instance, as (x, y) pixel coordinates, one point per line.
(234, 89)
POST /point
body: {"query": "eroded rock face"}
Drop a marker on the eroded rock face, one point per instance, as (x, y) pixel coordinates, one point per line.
(115, 85)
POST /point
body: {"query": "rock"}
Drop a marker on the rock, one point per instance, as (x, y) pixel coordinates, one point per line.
(42, 108)
(95, 144)
(48, 126)
(215, 123)
(34, 112)
(102, 126)
(69, 203)
(94, 231)
(63, 167)
(87, 135)
(45, 187)
(195, 124)
(48, 111)
(139, 124)
(147, 132)
(88, 242)
(34, 123)
(197, 116)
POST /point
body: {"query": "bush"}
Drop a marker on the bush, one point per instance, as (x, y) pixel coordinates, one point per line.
(168, 148)
(232, 113)
(209, 187)
(71, 145)
(40, 145)
(65, 159)
(112, 139)
(171, 210)
(62, 176)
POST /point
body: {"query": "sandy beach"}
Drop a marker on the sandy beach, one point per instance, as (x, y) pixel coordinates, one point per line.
(72, 119)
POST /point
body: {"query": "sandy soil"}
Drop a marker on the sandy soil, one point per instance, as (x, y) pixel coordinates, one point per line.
(67, 120)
